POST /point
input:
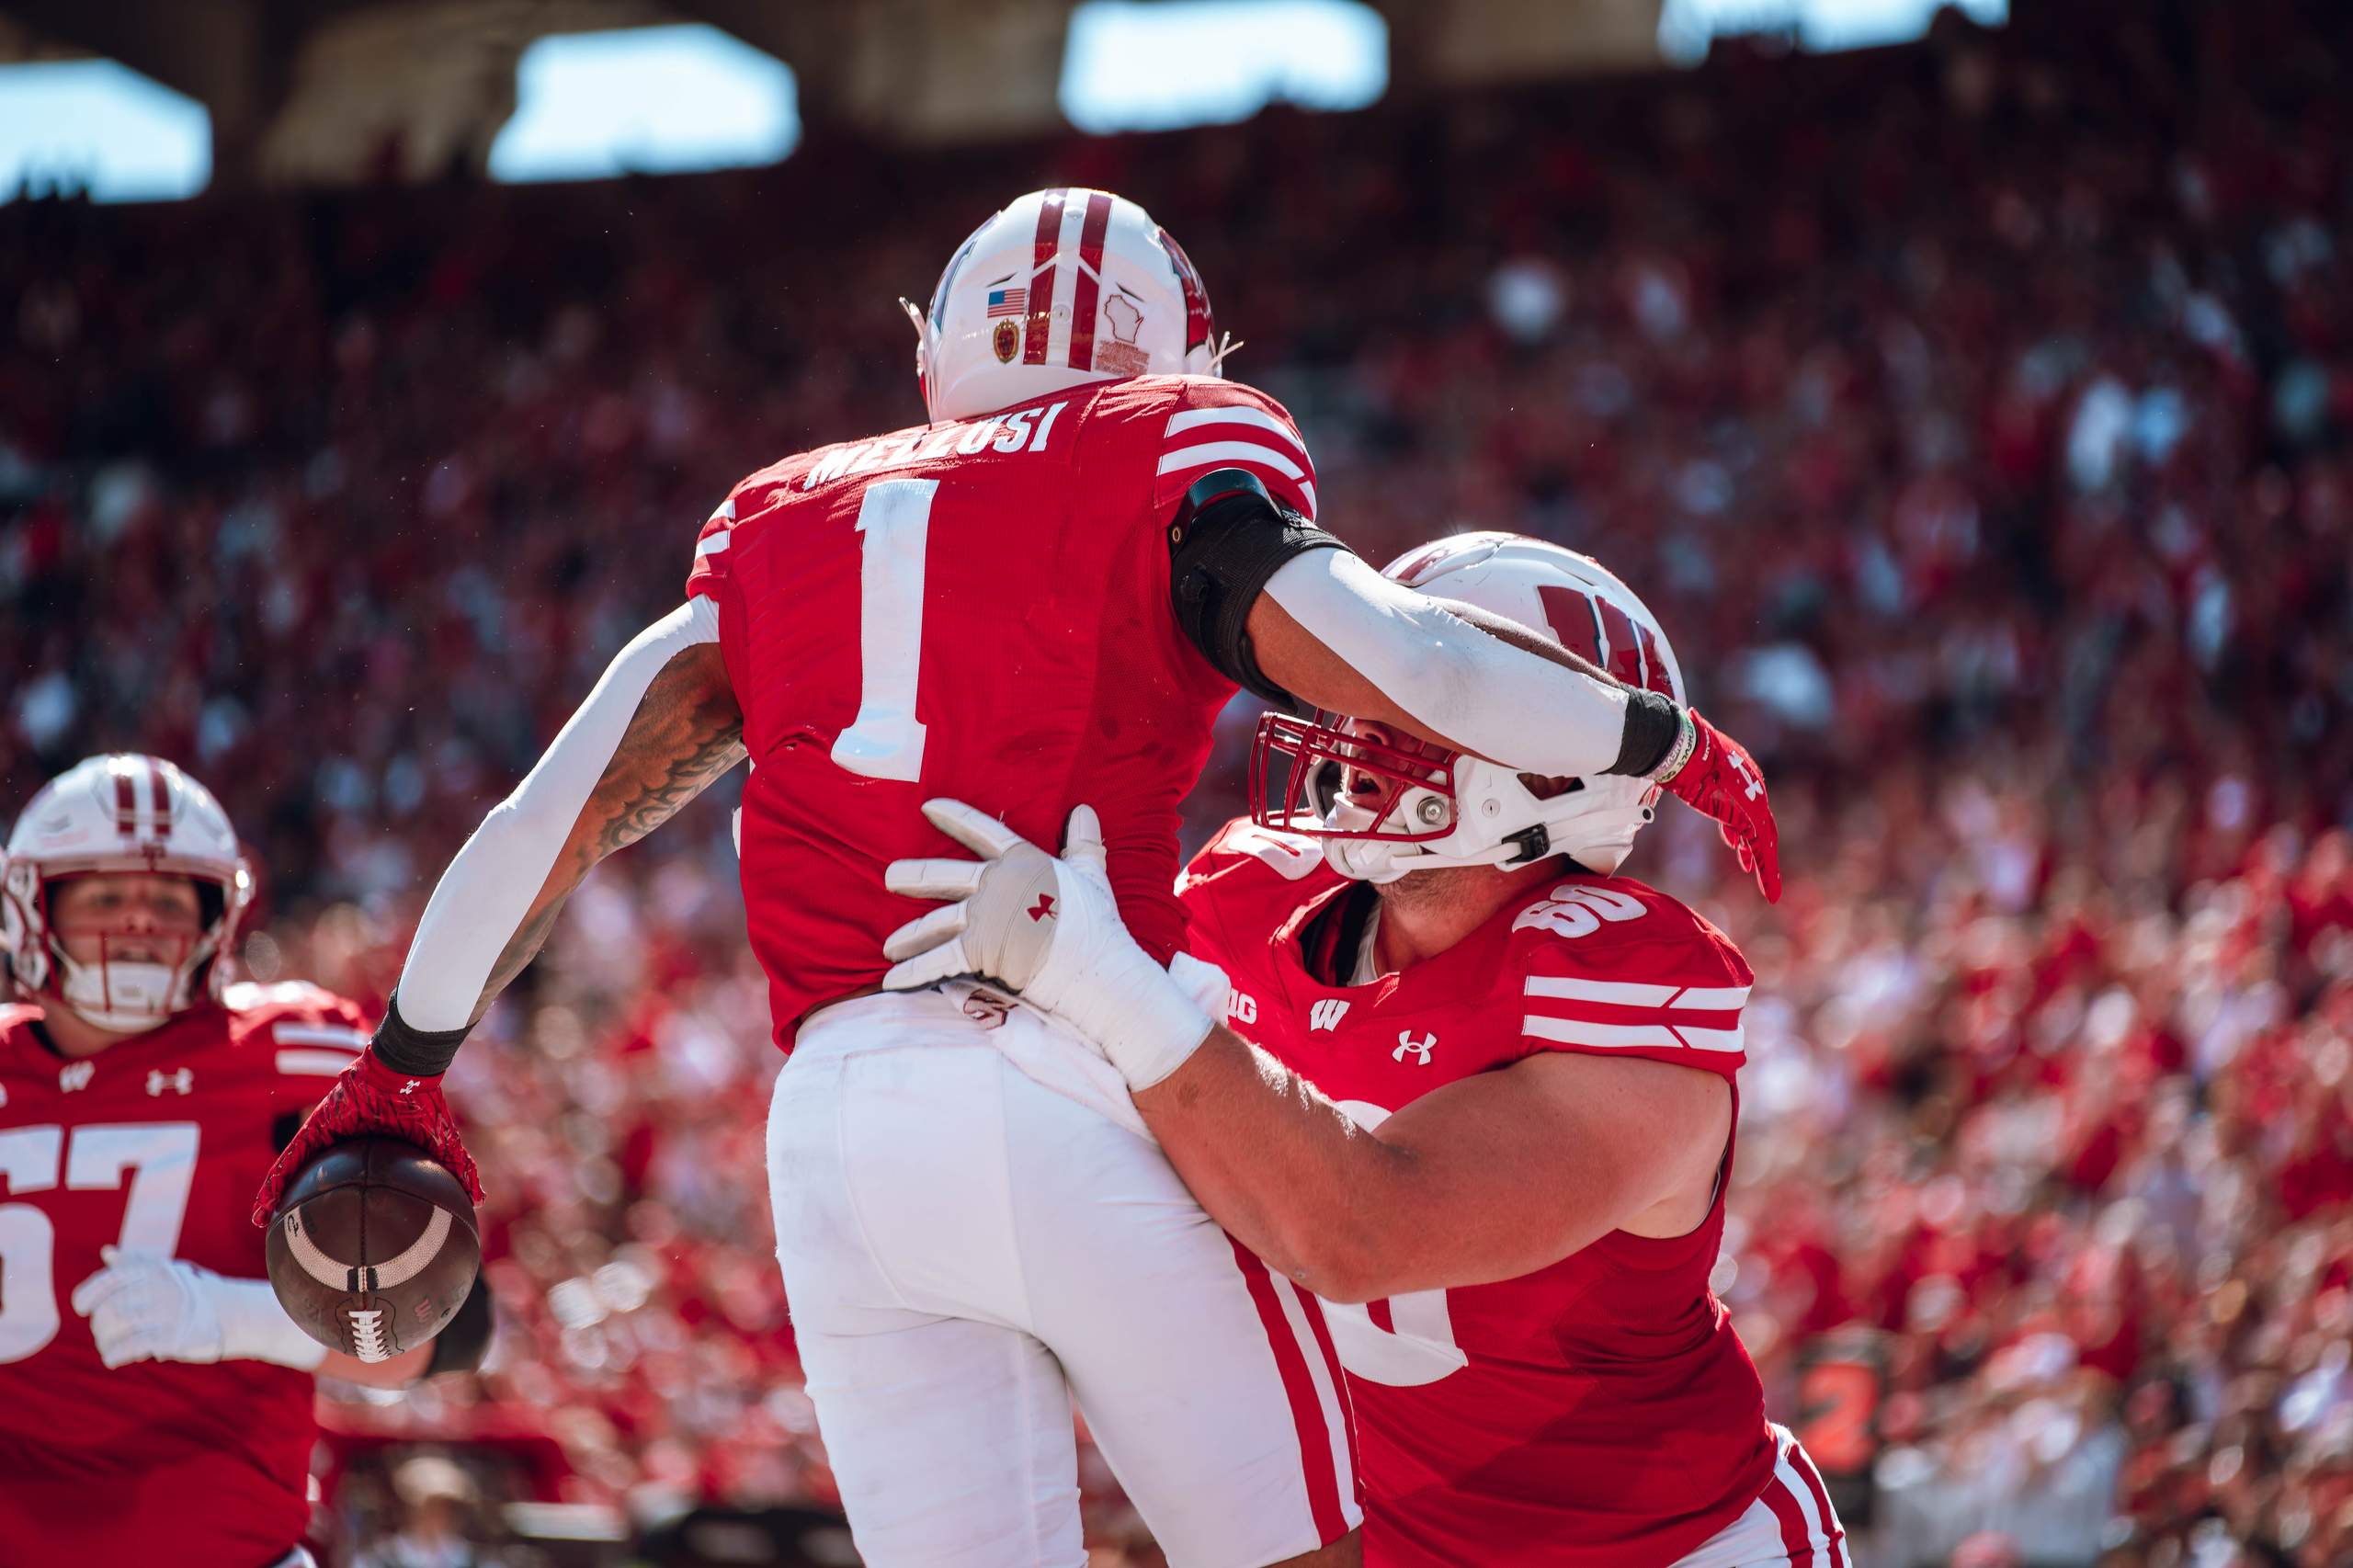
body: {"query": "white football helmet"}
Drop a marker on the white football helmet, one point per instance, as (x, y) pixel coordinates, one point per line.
(1436, 808)
(116, 815)
(1059, 288)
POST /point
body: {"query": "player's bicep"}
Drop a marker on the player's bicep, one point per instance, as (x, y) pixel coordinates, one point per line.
(685, 732)
(1333, 625)
(1302, 665)
(1351, 641)
(1520, 1168)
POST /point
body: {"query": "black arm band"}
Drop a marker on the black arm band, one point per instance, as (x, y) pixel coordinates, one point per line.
(420, 1053)
(1652, 721)
(1228, 537)
(462, 1346)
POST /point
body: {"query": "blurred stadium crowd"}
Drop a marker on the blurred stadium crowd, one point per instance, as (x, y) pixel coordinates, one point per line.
(1978, 417)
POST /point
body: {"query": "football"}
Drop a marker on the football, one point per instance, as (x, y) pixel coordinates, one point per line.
(373, 1248)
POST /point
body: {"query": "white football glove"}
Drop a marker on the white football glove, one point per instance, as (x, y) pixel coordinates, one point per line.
(142, 1307)
(1050, 929)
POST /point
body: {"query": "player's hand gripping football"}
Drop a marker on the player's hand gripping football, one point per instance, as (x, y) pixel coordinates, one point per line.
(1720, 779)
(1048, 929)
(370, 1097)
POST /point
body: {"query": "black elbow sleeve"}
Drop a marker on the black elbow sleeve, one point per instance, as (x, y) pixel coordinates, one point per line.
(1227, 537)
(462, 1346)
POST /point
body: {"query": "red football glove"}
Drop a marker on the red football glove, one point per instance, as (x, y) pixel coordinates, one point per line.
(1720, 779)
(371, 1098)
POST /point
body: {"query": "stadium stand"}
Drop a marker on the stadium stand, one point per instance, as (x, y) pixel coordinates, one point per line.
(1977, 414)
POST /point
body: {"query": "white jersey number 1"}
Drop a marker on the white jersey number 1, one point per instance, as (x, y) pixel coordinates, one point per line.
(886, 740)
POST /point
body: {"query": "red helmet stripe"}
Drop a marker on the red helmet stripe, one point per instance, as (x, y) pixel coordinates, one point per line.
(160, 794)
(1090, 264)
(1654, 671)
(1201, 325)
(126, 804)
(1042, 252)
(1625, 650)
(1570, 615)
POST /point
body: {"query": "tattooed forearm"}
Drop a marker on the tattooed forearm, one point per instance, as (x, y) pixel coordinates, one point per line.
(518, 953)
(687, 732)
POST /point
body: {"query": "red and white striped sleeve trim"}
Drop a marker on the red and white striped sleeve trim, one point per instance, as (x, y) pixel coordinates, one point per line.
(1238, 434)
(315, 1047)
(710, 549)
(1631, 1015)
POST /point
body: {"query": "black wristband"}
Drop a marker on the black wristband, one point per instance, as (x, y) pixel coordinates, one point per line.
(419, 1053)
(1652, 721)
(460, 1347)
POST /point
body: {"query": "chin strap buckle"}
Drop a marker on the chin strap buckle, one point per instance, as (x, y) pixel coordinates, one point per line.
(1531, 845)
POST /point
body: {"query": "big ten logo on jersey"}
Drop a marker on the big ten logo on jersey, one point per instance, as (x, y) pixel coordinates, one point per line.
(1570, 909)
(1404, 1341)
(1241, 1008)
(1025, 430)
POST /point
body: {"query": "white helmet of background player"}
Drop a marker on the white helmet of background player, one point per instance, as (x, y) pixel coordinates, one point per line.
(121, 814)
(1438, 808)
(1061, 288)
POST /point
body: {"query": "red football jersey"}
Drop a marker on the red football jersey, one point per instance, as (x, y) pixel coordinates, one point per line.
(1600, 1411)
(978, 609)
(156, 1143)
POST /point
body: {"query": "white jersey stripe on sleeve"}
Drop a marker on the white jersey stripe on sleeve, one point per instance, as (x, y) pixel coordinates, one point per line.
(1636, 994)
(325, 1064)
(1210, 452)
(1663, 1036)
(713, 544)
(1307, 489)
(1616, 993)
(319, 1034)
(1237, 413)
(1601, 1037)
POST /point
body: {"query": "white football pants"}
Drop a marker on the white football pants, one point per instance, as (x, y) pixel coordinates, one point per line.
(966, 1251)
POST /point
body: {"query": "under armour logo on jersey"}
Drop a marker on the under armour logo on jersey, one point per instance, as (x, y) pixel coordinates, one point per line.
(76, 1076)
(1326, 1014)
(159, 1080)
(1044, 908)
(1420, 1049)
(410, 1087)
(1740, 765)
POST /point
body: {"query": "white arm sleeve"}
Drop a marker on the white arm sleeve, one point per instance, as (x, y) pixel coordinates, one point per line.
(488, 889)
(1497, 701)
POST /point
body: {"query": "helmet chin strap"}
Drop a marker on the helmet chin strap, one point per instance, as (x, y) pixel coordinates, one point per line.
(1379, 860)
(1386, 860)
(127, 995)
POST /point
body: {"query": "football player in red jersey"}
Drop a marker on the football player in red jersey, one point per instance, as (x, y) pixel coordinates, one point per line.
(155, 1402)
(1544, 1055)
(1043, 596)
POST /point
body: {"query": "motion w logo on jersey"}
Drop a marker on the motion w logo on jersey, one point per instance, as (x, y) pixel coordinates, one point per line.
(1326, 1014)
